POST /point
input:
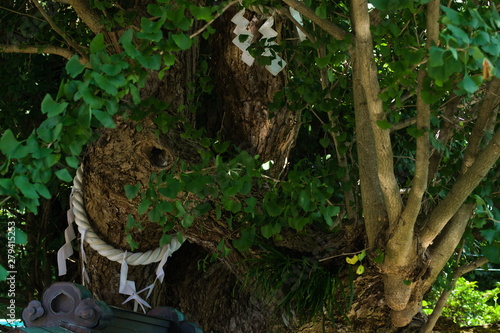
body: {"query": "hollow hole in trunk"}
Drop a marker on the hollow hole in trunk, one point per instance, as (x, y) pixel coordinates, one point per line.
(160, 158)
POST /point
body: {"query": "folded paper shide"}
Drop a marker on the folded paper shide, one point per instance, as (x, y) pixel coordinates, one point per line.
(245, 37)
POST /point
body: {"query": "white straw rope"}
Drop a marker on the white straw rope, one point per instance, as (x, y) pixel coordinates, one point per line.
(108, 251)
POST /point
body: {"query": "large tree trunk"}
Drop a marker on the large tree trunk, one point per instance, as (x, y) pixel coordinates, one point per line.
(212, 297)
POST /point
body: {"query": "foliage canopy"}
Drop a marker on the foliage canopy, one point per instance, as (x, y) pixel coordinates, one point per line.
(396, 101)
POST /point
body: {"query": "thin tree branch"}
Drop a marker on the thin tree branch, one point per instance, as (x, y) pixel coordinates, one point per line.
(438, 309)
(334, 30)
(445, 244)
(403, 124)
(32, 49)
(462, 188)
(68, 39)
(19, 13)
(445, 134)
(229, 5)
(365, 69)
(488, 108)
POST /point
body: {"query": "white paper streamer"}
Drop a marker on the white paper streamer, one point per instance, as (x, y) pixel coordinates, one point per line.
(127, 287)
(243, 43)
(66, 250)
(296, 15)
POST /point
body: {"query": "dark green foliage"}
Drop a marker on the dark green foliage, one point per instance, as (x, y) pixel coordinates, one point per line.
(300, 288)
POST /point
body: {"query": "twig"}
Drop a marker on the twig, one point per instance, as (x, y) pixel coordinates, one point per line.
(343, 255)
(216, 16)
(332, 29)
(19, 13)
(5, 200)
(271, 178)
(68, 40)
(438, 309)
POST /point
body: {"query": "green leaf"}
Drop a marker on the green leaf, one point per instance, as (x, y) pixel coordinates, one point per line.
(143, 207)
(232, 205)
(246, 239)
(304, 200)
(97, 44)
(468, 84)
(384, 124)
(131, 222)
(73, 162)
(21, 237)
(42, 190)
(132, 243)
(168, 59)
(51, 107)
(187, 221)
(360, 270)
(298, 223)
(436, 56)
(8, 142)
(459, 33)
(273, 208)
(3, 273)
(132, 190)
(415, 132)
(202, 208)
(153, 62)
(113, 69)
(180, 208)
(155, 214)
(165, 239)
(270, 230)
(321, 11)
(74, 67)
(451, 16)
(7, 187)
(490, 234)
(26, 188)
(103, 83)
(201, 13)
(324, 61)
(165, 206)
(182, 40)
(89, 96)
(64, 175)
(104, 118)
(492, 252)
(325, 142)
(128, 46)
(156, 10)
(380, 257)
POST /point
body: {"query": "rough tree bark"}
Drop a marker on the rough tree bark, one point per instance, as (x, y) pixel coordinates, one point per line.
(124, 155)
